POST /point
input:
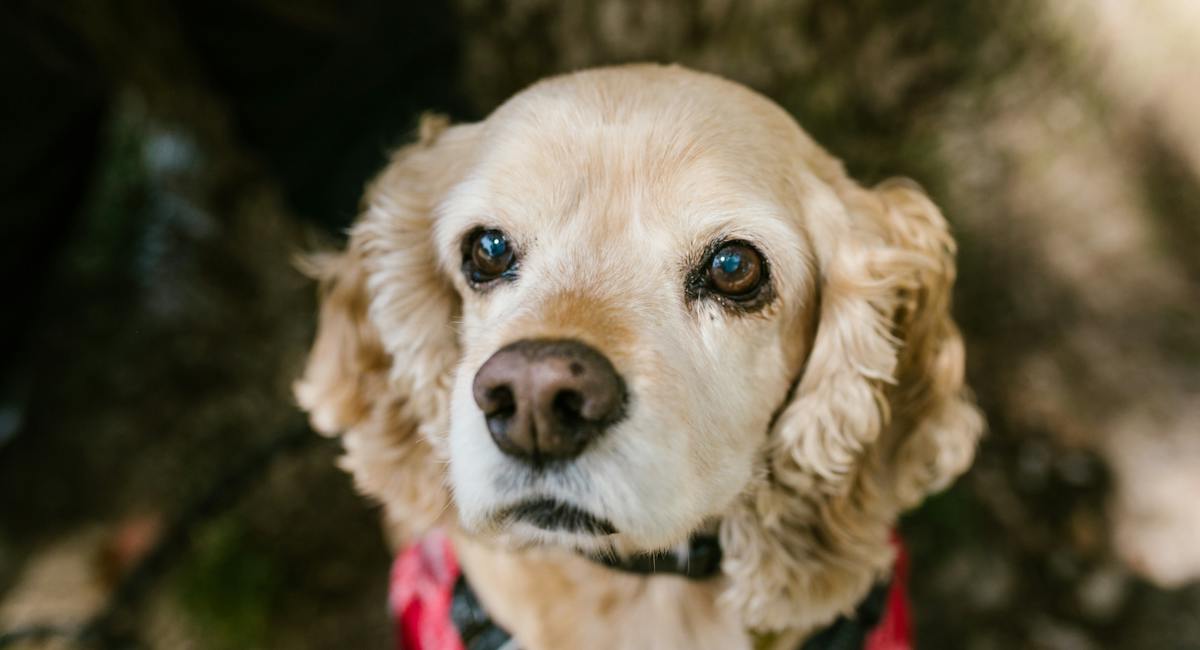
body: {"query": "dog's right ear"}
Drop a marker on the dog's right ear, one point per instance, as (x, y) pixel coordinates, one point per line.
(347, 367)
(379, 372)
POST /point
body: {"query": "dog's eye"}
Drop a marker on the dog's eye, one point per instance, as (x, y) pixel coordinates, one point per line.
(488, 255)
(735, 270)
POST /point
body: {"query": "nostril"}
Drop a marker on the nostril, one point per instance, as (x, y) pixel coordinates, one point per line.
(500, 409)
(568, 408)
(500, 402)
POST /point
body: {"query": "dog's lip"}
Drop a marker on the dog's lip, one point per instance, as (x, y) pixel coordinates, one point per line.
(551, 514)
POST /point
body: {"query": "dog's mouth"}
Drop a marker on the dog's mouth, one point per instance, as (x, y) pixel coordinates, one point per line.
(551, 514)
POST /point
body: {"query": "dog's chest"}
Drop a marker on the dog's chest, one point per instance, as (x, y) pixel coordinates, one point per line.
(564, 601)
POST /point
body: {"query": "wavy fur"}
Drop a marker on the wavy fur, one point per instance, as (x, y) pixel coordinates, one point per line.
(868, 356)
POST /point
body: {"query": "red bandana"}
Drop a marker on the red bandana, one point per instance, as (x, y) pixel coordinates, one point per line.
(420, 595)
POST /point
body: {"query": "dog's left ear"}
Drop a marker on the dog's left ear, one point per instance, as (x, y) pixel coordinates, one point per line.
(885, 372)
(935, 425)
(880, 418)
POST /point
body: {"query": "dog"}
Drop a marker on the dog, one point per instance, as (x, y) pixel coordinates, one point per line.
(637, 306)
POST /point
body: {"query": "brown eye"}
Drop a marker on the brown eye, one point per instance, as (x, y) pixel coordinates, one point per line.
(489, 255)
(735, 270)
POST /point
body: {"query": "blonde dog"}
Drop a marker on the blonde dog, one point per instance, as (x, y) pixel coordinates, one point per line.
(634, 305)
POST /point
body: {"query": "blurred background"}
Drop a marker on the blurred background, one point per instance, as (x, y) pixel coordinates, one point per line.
(164, 162)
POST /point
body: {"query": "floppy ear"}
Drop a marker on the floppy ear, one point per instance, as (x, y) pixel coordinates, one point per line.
(880, 417)
(887, 363)
(935, 424)
(380, 369)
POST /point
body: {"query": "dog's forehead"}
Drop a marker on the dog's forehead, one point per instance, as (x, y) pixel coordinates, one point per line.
(598, 157)
(593, 176)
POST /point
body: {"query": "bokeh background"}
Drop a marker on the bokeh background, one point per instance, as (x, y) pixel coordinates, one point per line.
(163, 163)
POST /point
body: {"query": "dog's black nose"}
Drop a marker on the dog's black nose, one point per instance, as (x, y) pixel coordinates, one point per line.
(547, 399)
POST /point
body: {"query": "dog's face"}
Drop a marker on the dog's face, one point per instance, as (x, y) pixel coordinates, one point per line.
(657, 256)
(637, 302)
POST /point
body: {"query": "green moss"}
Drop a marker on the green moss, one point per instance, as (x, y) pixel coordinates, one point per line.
(228, 587)
(113, 214)
(945, 520)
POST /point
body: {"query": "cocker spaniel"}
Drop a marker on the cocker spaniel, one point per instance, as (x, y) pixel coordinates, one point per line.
(635, 305)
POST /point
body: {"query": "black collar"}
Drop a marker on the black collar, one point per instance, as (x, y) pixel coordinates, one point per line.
(701, 560)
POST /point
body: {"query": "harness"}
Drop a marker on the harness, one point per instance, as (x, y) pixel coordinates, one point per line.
(434, 608)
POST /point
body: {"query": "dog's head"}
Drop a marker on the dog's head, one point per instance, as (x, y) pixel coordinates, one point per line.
(636, 302)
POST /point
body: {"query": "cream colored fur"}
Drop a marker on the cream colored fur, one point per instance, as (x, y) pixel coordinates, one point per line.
(802, 430)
